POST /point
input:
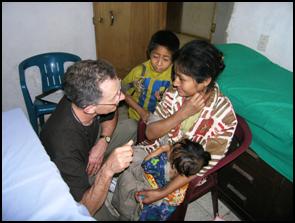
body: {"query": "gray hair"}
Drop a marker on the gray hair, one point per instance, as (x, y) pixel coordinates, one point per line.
(82, 81)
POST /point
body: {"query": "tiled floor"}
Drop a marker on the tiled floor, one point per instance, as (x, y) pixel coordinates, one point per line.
(201, 210)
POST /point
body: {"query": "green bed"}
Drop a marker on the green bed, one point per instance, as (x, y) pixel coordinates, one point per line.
(261, 92)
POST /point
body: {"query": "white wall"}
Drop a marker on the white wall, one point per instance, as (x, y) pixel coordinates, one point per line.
(275, 19)
(245, 22)
(33, 28)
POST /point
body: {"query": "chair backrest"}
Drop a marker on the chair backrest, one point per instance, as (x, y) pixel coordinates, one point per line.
(240, 143)
(51, 67)
(141, 126)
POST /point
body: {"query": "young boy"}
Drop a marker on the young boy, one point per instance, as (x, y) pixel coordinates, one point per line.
(156, 171)
(145, 84)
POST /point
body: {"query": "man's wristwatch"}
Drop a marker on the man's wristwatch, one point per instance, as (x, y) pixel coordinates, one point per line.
(106, 138)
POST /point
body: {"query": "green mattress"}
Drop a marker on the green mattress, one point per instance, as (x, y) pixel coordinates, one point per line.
(262, 93)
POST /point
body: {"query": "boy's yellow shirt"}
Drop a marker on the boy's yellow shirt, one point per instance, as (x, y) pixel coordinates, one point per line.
(145, 87)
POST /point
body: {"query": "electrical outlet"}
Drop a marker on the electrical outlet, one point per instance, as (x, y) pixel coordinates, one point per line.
(262, 42)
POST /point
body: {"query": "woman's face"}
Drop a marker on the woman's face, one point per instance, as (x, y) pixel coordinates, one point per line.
(186, 85)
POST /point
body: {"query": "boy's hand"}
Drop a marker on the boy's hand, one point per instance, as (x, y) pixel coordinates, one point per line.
(144, 115)
(159, 95)
(164, 148)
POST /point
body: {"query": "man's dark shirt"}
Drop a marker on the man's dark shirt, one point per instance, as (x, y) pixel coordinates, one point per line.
(68, 143)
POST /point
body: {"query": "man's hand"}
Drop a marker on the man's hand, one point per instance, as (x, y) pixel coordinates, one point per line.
(96, 155)
(120, 158)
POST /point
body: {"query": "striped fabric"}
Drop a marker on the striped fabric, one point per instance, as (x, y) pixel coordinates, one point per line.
(213, 129)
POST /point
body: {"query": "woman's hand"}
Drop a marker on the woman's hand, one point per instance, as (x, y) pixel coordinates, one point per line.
(194, 104)
(149, 196)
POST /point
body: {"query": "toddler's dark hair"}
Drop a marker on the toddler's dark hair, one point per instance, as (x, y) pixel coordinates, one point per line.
(188, 157)
(164, 38)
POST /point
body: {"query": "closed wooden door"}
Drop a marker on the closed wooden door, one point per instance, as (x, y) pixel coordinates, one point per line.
(191, 20)
(198, 19)
(111, 22)
(122, 31)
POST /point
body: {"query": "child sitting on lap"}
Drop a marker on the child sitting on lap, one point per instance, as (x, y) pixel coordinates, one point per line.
(157, 170)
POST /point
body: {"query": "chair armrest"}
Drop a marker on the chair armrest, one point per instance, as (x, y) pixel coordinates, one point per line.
(141, 127)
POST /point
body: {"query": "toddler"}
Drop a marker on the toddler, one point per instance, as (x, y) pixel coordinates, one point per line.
(157, 170)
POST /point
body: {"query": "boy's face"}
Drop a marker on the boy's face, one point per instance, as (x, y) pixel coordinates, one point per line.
(161, 59)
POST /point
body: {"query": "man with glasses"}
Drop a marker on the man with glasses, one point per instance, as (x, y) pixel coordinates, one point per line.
(84, 128)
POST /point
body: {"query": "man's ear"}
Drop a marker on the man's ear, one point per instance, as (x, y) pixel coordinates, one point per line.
(90, 109)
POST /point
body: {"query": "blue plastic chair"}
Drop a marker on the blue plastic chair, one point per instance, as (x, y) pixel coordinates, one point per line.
(51, 67)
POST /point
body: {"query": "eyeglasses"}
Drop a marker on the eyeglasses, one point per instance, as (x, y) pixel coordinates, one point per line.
(107, 104)
(113, 104)
(116, 104)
